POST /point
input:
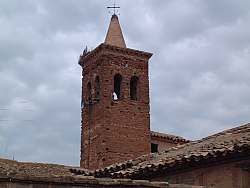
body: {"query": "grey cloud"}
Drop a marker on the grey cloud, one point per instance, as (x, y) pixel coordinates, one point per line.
(199, 72)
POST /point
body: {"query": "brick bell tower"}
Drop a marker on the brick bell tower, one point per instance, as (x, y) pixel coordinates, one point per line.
(115, 102)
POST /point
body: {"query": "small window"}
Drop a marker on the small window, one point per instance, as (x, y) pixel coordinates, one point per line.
(117, 86)
(134, 88)
(154, 148)
(97, 88)
(89, 95)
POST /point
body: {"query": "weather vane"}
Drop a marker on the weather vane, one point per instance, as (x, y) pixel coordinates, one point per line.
(114, 7)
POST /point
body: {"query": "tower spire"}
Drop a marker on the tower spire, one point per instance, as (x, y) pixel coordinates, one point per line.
(114, 35)
(114, 77)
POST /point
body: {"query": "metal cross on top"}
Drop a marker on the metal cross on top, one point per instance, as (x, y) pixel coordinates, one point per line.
(114, 7)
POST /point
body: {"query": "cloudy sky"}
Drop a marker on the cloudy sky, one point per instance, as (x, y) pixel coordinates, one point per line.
(199, 74)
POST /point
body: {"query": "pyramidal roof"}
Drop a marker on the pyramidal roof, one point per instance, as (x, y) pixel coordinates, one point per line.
(114, 35)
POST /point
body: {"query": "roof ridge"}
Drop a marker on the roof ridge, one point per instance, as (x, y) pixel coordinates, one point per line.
(231, 130)
(169, 136)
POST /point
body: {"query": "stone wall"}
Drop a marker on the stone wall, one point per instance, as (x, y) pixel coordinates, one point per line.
(231, 175)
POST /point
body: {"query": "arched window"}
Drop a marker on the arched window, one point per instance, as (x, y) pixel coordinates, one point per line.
(117, 86)
(134, 88)
(89, 94)
(97, 88)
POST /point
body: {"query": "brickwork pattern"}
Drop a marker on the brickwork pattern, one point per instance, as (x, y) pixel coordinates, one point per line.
(114, 131)
(221, 176)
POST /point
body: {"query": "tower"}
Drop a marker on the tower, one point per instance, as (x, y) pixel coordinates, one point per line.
(115, 102)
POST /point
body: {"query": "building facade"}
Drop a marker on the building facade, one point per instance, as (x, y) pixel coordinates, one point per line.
(161, 142)
(115, 98)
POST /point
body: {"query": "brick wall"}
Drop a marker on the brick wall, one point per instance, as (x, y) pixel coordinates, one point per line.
(83, 183)
(49, 185)
(163, 144)
(115, 131)
(221, 176)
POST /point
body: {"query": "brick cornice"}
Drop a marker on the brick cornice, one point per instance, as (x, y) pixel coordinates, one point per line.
(104, 49)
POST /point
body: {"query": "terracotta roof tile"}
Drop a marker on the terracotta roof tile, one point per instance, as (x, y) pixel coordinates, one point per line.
(218, 146)
(13, 171)
(169, 137)
(8, 167)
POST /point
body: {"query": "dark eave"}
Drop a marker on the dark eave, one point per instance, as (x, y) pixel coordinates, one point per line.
(173, 138)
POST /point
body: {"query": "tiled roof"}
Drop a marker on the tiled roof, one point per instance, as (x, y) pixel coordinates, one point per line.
(169, 137)
(13, 171)
(222, 146)
(32, 173)
(11, 168)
